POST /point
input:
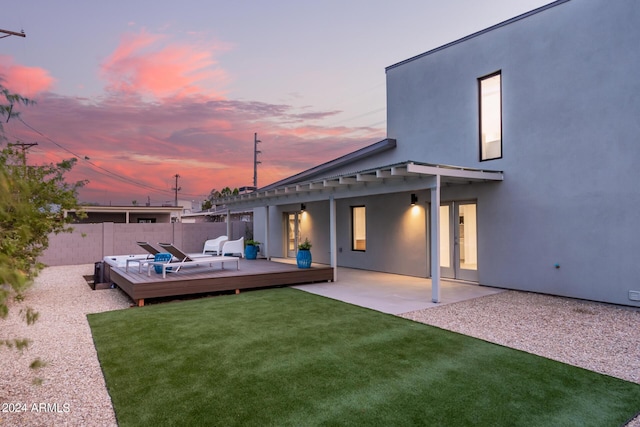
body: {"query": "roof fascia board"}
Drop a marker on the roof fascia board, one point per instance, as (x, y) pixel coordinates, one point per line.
(403, 176)
(342, 192)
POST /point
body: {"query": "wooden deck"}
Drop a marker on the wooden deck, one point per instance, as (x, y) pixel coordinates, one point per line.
(198, 280)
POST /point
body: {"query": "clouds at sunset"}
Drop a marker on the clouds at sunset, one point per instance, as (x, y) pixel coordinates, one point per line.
(27, 81)
(163, 112)
(149, 64)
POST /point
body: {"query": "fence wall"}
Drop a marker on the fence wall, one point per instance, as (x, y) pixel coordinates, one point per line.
(89, 243)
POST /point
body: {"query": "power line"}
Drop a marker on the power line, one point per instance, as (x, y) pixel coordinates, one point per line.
(98, 168)
(110, 174)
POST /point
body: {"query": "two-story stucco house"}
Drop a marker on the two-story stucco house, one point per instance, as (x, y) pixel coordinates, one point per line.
(512, 159)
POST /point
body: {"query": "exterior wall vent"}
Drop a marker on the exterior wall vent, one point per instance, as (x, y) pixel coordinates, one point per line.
(634, 295)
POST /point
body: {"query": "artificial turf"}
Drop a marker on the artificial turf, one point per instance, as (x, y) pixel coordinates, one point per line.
(283, 357)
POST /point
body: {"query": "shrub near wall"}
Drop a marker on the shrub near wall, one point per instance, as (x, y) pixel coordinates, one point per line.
(89, 243)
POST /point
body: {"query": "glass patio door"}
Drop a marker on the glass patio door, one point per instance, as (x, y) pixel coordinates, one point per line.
(293, 233)
(459, 241)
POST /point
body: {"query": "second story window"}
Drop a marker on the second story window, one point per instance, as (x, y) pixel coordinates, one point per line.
(490, 92)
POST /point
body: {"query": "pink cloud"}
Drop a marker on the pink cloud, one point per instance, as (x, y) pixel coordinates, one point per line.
(208, 142)
(146, 63)
(27, 81)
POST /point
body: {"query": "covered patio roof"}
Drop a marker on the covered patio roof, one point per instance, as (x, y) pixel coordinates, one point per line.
(404, 176)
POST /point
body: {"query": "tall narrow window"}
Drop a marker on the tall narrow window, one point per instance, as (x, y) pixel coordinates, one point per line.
(490, 117)
(358, 228)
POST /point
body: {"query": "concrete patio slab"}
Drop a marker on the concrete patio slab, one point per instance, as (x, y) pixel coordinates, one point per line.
(393, 293)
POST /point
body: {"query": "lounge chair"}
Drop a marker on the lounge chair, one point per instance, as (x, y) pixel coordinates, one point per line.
(214, 245)
(142, 259)
(231, 247)
(147, 247)
(182, 259)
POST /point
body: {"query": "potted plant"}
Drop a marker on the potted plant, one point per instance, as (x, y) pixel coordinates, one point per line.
(303, 258)
(251, 249)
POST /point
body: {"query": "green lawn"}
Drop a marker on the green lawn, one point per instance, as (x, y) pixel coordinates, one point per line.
(283, 357)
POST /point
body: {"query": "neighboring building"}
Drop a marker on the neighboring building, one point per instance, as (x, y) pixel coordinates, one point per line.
(129, 214)
(540, 116)
(217, 215)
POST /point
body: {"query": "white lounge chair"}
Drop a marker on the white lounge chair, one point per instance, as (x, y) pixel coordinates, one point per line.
(214, 245)
(231, 247)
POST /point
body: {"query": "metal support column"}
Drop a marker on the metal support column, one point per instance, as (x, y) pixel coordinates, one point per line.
(435, 240)
(266, 232)
(333, 241)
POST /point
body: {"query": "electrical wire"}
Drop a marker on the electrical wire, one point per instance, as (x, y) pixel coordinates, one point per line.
(165, 192)
(103, 171)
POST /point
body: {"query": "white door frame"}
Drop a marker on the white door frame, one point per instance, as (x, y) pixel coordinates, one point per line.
(452, 243)
(297, 215)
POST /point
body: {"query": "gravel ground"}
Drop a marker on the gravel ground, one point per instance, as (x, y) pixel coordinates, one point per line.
(73, 391)
(599, 337)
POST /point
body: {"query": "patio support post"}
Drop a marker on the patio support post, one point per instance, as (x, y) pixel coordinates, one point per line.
(435, 240)
(126, 217)
(229, 224)
(333, 241)
(266, 231)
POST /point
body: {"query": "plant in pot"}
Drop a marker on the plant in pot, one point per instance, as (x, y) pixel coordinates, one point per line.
(303, 257)
(251, 249)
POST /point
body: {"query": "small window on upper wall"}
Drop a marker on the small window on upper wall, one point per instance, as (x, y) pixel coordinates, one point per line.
(490, 92)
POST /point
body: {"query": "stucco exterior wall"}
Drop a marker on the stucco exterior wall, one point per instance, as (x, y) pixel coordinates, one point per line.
(570, 145)
(396, 234)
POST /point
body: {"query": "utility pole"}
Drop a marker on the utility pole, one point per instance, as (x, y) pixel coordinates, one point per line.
(12, 33)
(176, 188)
(24, 147)
(255, 160)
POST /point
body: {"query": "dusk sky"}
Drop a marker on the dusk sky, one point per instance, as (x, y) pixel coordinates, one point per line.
(142, 90)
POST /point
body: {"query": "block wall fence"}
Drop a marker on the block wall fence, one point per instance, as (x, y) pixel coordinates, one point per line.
(90, 243)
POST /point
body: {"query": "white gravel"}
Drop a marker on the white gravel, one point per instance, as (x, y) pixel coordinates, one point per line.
(599, 337)
(73, 391)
